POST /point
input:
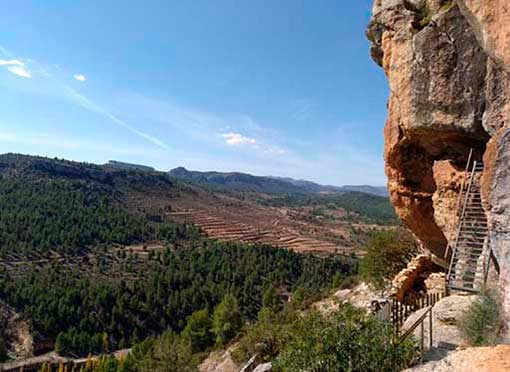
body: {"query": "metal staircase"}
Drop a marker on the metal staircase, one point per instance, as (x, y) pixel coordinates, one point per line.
(470, 252)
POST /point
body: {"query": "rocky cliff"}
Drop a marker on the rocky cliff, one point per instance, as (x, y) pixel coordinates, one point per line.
(448, 68)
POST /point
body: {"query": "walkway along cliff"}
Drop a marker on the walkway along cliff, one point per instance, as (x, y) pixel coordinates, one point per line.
(448, 69)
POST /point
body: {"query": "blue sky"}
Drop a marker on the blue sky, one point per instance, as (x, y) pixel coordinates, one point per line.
(281, 87)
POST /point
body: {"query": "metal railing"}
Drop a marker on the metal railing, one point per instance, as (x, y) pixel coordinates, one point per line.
(458, 209)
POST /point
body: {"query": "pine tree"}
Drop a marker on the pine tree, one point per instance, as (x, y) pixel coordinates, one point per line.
(227, 320)
(198, 330)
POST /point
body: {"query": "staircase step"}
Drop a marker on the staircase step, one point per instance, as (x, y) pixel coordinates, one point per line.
(471, 253)
(466, 265)
(466, 280)
(471, 259)
(470, 249)
(473, 226)
(465, 289)
(470, 243)
(473, 233)
(461, 275)
(467, 262)
(471, 237)
(481, 228)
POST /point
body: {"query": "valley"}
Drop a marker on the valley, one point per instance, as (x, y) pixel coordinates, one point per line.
(86, 250)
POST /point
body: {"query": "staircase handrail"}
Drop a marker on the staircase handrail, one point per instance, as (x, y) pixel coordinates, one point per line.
(420, 322)
(459, 198)
(454, 250)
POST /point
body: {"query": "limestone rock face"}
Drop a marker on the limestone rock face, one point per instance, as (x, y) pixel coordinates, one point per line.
(496, 193)
(448, 67)
(448, 180)
(490, 20)
(437, 76)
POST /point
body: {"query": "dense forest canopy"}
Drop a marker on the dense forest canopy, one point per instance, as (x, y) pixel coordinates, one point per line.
(180, 295)
(64, 206)
(176, 284)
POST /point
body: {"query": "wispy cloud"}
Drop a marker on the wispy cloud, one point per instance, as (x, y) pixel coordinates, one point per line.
(19, 71)
(11, 62)
(87, 104)
(237, 139)
(80, 77)
(276, 151)
(234, 131)
(16, 67)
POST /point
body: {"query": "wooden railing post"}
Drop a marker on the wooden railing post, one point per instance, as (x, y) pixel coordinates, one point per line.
(422, 338)
(430, 330)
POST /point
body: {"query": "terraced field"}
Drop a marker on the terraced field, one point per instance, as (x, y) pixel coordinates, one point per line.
(217, 227)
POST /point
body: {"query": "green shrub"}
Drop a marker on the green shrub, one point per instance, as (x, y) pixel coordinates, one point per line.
(482, 322)
(170, 353)
(227, 320)
(388, 252)
(198, 330)
(267, 337)
(347, 340)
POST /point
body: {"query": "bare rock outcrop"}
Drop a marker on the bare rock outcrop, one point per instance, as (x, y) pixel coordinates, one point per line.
(476, 359)
(15, 333)
(437, 76)
(220, 361)
(448, 68)
(413, 278)
(490, 20)
(360, 296)
(446, 315)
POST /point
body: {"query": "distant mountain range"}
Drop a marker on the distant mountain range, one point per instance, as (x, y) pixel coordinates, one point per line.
(270, 185)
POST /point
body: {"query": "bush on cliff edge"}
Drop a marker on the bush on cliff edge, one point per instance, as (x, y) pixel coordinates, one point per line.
(388, 252)
(482, 322)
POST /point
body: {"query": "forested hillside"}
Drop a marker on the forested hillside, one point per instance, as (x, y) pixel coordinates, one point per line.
(64, 227)
(69, 307)
(66, 207)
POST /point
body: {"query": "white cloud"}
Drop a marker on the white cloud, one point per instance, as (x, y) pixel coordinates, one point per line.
(11, 62)
(19, 71)
(87, 104)
(16, 67)
(276, 151)
(237, 139)
(80, 77)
